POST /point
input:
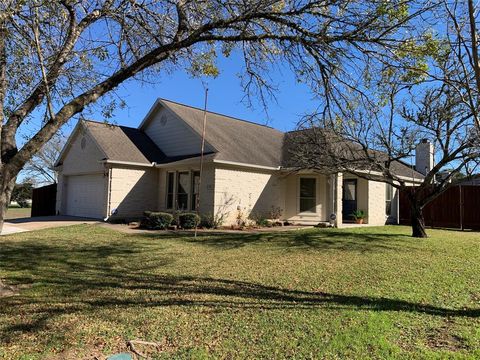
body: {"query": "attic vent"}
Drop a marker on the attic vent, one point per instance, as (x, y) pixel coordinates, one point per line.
(163, 120)
(83, 143)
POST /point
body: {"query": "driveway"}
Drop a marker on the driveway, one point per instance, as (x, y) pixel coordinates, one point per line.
(14, 226)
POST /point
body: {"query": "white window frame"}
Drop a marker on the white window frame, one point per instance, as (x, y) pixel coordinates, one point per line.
(193, 207)
(311, 213)
(167, 183)
(190, 205)
(392, 192)
(189, 176)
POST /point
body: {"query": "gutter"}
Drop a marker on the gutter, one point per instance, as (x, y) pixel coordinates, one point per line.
(225, 162)
(116, 162)
(187, 161)
(377, 173)
(234, 163)
(372, 173)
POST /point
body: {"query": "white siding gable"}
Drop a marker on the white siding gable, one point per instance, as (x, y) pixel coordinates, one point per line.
(172, 135)
(82, 156)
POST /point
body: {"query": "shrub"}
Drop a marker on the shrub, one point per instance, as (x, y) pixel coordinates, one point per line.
(23, 203)
(188, 220)
(241, 220)
(266, 218)
(275, 212)
(175, 214)
(22, 193)
(211, 221)
(259, 218)
(156, 220)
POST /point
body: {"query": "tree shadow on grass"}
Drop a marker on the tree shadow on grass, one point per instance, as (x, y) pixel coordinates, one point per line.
(152, 291)
(325, 239)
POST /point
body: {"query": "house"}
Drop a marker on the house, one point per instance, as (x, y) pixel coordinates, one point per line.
(116, 171)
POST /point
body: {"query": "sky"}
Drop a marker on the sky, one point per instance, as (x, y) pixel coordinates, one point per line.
(225, 96)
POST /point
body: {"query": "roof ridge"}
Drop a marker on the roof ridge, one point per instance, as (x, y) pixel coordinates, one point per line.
(108, 124)
(220, 114)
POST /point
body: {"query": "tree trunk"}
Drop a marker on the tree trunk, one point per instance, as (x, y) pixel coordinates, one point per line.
(418, 221)
(7, 183)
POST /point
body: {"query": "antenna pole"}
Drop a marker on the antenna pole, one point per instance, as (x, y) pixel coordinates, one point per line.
(202, 150)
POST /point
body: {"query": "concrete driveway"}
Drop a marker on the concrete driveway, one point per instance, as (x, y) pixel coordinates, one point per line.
(14, 226)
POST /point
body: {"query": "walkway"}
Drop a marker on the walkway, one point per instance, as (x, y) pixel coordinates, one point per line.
(14, 226)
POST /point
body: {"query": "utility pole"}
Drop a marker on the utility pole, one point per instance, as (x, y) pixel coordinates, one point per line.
(202, 150)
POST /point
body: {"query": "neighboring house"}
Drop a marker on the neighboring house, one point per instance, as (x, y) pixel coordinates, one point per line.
(116, 171)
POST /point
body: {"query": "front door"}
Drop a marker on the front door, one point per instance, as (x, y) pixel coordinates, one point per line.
(349, 198)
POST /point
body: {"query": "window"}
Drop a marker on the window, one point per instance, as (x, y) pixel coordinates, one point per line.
(350, 190)
(308, 197)
(182, 190)
(195, 189)
(388, 199)
(170, 189)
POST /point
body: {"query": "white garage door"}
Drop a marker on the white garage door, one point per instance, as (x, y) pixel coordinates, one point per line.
(85, 196)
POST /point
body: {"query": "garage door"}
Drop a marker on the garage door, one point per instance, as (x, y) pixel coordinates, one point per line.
(85, 196)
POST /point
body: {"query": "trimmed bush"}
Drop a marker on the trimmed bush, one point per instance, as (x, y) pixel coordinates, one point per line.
(175, 218)
(188, 220)
(157, 220)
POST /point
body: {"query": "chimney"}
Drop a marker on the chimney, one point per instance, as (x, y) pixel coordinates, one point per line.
(424, 157)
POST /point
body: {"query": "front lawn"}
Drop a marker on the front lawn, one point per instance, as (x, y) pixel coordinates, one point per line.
(326, 293)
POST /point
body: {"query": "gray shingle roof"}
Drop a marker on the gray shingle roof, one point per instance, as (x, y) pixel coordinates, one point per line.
(330, 151)
(122, 143)
(236, 140)
(402, 169)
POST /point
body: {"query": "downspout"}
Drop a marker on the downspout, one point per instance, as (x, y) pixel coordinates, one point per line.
(398, 206)
(109, 194)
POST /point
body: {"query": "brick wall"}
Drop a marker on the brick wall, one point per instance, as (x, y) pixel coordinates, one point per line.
(242, 190)
(132, 191)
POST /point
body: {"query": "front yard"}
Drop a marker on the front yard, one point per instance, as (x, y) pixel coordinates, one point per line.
(357, 293)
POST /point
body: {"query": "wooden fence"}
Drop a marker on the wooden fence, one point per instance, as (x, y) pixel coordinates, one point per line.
(458, 207)
(44, 200)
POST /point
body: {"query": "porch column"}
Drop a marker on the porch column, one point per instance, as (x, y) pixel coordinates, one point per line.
(336, 183)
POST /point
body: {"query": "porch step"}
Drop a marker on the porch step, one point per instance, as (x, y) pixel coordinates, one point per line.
(306, 221)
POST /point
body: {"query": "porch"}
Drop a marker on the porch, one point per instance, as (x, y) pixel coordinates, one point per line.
(302, 198)
(309, 198)
(312, 198)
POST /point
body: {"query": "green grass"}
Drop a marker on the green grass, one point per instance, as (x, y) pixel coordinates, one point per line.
(325, 293)
(16, 213)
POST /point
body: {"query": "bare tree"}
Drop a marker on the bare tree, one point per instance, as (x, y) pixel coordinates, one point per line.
(41, 167)
(59, 58)
(437, 98)
(370, 141)
(462, 39)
